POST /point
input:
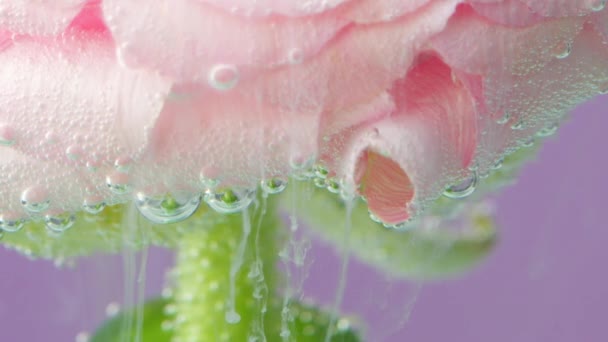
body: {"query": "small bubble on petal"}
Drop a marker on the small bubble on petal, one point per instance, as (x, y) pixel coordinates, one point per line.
(223, 76)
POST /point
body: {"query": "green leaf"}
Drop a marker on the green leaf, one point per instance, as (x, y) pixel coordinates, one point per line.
(412, 254)
(309, 324)
(114, 330)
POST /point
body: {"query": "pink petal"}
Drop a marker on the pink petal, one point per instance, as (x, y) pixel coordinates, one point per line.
(200, 131)
(475, 45)
(523, 90)
(90, 18)
(600, 23)
(187, 39)
(370, 11)
(267, 7)
(380, 55)
(63, 187)
(508, 12)
(66, 105)
(563, 8)
(38, 18)
(431, 137)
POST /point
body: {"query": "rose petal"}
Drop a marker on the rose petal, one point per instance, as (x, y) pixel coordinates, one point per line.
(380, 55)
(370, 11)
(64, 187)
(431, 137)
(524, 89)
(201, 131)
(39, 18)
(67, 104)
(508, 12)
(267, 7)
(564, 8)
(187, 39)
(90, 18)
(475, 45)
(600, 22)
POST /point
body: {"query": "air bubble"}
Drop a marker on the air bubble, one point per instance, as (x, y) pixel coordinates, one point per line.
(374, 217)
(74, 152)
(273, 186)
(232, 317)
(343, 324)
(93, 165)
(528, 142)
(295, 56)
(121, 52)
(321, 171)
(598, 5)
(123, 164)
(302, 164)
(319, 182)
(230, 201)
(11, 222)
(59, 222)
(504, 118)
(332, 185)
(548, 131)
(223, 77)
(498, 164)
(462, 189)
(7, 135)
(93, 205)
(207, 182)
(167, 209)
(35, 199)
(519, 125)
(563, 50)
(118, 183)
(50, 138)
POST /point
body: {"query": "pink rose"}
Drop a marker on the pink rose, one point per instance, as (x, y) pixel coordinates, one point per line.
(397, 99)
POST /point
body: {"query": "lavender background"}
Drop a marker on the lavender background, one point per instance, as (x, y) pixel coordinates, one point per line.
(546, 281)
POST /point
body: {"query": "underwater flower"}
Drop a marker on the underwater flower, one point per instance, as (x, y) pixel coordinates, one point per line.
(395, 106)
(396, 101)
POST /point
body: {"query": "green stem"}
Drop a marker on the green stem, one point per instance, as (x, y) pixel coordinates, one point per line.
(216, 266)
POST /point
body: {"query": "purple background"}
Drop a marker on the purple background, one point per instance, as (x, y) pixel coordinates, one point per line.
(546, 280)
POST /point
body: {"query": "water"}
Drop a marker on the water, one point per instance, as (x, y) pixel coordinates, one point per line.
(273, 186)
(167, 208)
(11, 222)
(118, 183)
(94, 205)
(232, 316)
(35, 199)
(59, 222)
(229, 201)
(223, 77)
(464, 188)
(341, 287)
(7, 135)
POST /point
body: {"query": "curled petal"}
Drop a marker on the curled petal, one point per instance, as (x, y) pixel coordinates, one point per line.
(424, 145)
